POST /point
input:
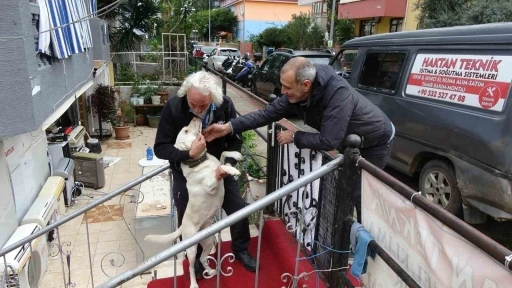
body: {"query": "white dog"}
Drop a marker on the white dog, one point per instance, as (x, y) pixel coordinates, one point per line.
(206, 195)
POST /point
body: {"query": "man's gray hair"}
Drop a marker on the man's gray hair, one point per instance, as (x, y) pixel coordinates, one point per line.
(303, 69)
(206, 84)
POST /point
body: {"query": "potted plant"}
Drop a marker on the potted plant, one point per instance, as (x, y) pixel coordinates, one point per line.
(119, 121)
(103, 103)
(164, 95)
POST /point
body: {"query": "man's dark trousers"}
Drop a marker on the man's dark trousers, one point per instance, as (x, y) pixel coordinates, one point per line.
(240, 235)
(378, 156)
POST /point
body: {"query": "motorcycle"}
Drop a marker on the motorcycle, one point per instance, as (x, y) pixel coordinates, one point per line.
(227, 64)
(244, 76)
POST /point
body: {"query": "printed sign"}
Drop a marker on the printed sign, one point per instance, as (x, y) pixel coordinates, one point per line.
(472, 80)
(433, 254)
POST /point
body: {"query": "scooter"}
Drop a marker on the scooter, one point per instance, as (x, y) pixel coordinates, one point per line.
(227, 64)
(244, 76)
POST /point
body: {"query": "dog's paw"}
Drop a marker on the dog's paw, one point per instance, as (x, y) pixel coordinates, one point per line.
(209, 273)
(232, 154)
(230, 170)
(237, 156)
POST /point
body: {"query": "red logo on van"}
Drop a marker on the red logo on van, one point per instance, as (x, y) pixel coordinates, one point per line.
(489, 96)
(8, 152)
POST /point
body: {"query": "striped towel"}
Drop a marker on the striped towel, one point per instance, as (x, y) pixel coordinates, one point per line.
(74, 38)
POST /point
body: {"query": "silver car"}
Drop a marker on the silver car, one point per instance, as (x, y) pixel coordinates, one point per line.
(218, 56)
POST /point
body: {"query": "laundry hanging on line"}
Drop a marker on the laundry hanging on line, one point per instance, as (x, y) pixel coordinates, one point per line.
(70, 39)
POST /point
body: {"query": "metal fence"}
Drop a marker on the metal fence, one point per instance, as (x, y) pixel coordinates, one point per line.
(150, 67)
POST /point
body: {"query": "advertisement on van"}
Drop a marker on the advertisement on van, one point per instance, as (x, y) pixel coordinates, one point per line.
(472, 80)
(433, 254)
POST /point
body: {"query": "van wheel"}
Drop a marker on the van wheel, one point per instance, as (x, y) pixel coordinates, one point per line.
(439, 185)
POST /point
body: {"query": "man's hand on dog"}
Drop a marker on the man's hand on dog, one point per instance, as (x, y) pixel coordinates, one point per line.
(198, 146)
(220, 173)
(215, 131)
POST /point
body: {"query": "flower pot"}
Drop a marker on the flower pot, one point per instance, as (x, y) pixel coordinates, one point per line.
(122, 133)
(155, 100)
(140, 100)
(141, 120)
(153, 120)
(164, 96)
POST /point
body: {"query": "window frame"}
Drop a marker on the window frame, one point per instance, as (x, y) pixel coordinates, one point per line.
(399, 82)
(391, 24)
(362, 27)
(270, 58)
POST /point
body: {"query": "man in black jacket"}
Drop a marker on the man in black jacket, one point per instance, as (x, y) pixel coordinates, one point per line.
(327, 103)
(200, 96)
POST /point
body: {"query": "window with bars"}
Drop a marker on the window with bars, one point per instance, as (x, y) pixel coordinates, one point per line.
(367, 27)
(396, 25)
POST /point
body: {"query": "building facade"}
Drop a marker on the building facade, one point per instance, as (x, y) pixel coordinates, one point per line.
(379, 16)
(45, 75)
(318, 10)
(255, 16)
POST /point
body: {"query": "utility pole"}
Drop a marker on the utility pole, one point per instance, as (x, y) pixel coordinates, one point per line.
(243, 31)
(209, 22)
(333, 18)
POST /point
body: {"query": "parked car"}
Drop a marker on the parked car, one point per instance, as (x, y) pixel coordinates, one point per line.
(446, 92)
(218, 55)
(266, 79)
(207, 50)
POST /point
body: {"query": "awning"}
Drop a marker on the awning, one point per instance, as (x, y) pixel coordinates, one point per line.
(64, 107)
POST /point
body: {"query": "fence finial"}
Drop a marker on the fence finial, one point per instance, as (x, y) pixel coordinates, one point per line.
(353, 141)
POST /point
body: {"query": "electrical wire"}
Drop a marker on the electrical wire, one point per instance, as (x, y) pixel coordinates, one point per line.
(85, 18)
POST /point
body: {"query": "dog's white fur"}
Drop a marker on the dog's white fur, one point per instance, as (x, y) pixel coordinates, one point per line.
(206, 195)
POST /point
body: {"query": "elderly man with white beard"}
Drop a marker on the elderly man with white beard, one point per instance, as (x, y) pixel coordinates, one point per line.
(200, 96)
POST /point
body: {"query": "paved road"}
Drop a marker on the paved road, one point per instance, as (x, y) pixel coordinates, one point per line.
(499, 231)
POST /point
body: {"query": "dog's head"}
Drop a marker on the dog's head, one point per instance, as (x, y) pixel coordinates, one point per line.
(188, 134)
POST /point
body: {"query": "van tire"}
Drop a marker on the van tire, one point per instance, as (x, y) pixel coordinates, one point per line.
(433, 190)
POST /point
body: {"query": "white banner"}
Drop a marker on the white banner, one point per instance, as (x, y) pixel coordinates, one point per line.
(433, 254)
(472, 80)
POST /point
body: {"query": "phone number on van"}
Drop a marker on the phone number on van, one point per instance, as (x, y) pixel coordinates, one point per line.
(465, 84)
(442, 95)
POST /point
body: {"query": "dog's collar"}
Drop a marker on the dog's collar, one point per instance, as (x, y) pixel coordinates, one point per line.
(195, 162)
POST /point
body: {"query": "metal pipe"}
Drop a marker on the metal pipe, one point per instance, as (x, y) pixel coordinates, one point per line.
(224, 223)
(81, 211)
(486, 244)
(89, 248)
(333, 16)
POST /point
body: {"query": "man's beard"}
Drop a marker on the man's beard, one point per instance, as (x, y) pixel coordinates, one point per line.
(202, 114)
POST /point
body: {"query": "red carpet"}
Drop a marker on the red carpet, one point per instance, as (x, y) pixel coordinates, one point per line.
(278, 250)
